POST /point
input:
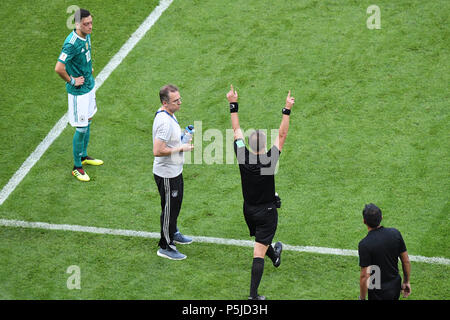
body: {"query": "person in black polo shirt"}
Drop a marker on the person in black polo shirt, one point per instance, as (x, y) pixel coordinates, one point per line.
(378, 258)
(257, 170)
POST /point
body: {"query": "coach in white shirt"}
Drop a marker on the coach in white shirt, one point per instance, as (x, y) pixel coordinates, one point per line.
(167, 170)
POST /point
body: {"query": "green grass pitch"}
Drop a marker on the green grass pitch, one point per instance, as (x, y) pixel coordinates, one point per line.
(370, 124)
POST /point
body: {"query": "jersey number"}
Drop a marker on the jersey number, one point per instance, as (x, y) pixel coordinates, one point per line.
(88, 56)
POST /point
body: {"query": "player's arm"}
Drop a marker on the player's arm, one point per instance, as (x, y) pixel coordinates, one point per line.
(160, 148)
(284, 126)
(363, 277)
(406, 266)
(232, 97)
(60, 67)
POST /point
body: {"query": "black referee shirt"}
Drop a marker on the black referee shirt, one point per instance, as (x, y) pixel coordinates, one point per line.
(257, 173)
(382, 247)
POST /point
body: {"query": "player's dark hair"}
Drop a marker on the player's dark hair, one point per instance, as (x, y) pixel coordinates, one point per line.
(80, 14)
(372, 215)
(164, 92)
(257, 140)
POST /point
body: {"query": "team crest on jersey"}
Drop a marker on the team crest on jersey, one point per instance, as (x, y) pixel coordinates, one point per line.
(87, 46)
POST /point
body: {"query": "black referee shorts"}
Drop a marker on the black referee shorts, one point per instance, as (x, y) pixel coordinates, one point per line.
(262, 221)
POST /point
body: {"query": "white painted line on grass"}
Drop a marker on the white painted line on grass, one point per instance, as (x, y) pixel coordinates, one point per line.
(131, 42)
(32, 159)
(222, 241)
(99, 80)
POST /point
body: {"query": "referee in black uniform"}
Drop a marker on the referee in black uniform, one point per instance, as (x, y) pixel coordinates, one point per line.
(257, 170)
(378, 258)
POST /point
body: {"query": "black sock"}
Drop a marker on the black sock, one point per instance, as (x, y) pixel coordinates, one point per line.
(257, 272)
(271, 253)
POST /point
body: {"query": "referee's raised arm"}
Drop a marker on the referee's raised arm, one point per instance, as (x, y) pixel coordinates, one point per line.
(284, 126)
(232, 97)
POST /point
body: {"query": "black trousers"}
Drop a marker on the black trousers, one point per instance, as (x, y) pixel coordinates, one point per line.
(171, 192)
(388, 291)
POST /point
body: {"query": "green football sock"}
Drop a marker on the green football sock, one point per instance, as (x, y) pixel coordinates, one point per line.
(78, 142)
(86, 140)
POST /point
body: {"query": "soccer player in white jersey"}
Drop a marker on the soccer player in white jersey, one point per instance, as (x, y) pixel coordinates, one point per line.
(74, 65)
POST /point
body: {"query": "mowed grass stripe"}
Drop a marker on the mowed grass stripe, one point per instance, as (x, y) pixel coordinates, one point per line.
(201, 239)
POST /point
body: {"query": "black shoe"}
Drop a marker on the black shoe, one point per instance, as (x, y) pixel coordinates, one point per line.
(278, 247)
(258, 297)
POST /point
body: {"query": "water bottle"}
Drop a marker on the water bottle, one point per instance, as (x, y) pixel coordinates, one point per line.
(187, 134)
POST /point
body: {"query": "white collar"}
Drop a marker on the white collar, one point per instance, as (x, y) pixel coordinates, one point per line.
(75, 32)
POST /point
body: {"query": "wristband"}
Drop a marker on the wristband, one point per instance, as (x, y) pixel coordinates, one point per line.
(286, 111)
(234, 106)
(72, 81)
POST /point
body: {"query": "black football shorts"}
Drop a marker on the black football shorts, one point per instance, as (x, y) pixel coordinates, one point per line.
(262, 222)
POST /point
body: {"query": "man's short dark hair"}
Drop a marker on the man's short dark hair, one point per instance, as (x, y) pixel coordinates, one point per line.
(257, 140)
(80, 14)
(164, 92)
(372, 215)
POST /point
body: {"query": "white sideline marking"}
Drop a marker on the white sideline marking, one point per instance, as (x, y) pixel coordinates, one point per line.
(32, 159)
(232, 242)
(99, 80)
